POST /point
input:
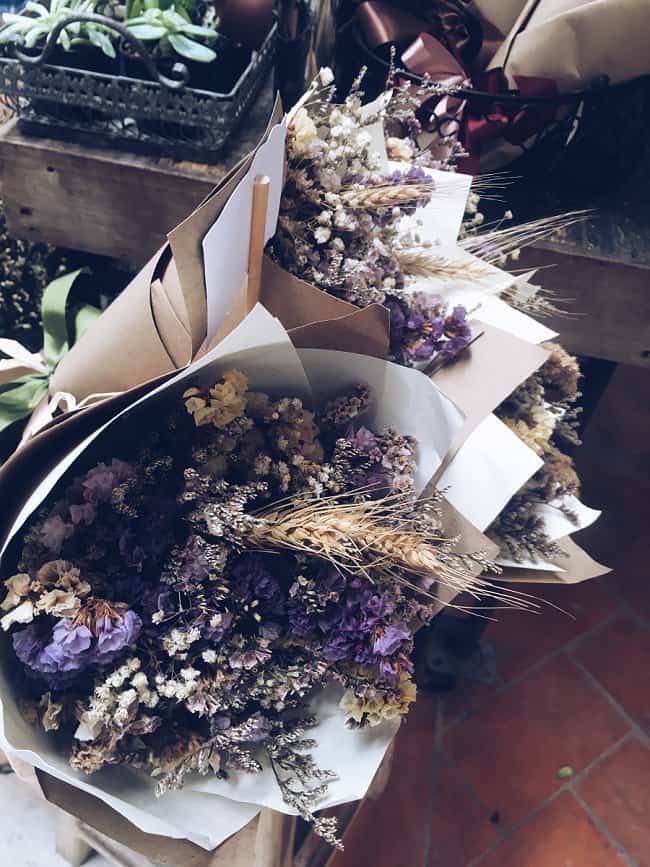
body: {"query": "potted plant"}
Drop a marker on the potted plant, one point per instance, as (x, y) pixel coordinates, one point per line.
(80, 45)
(213, 61)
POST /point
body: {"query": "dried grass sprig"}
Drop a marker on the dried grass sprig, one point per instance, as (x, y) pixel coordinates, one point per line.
(494, 245)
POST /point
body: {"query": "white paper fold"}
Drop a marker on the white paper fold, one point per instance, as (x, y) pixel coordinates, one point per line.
(490, 467)
(227, 242)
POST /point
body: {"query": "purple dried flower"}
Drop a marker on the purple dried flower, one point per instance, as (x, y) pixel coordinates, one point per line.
(83, 514)
(101, 480)
(389, 639)
(53, 533)
(113, 635)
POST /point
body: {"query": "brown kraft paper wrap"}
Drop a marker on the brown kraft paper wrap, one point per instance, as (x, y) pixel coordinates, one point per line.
(96, 814)
(158, 322)
(573, 42)
(575, 563)
(484, 375)
(123, 348)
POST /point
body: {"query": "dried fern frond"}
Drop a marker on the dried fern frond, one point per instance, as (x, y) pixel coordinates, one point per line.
(385, 538)
(419, 262)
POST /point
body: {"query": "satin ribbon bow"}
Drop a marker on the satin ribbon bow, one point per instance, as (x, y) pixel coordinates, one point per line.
(25, 375)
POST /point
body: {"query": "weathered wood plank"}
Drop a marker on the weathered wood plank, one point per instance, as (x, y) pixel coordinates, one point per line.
(106, 201)
(608, 304)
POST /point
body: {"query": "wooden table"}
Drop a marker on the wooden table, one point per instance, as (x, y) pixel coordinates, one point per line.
(105, 201)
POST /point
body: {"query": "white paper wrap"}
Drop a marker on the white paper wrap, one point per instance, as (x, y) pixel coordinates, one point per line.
(206, 812)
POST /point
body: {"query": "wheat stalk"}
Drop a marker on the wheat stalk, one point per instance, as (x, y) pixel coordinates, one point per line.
(496, 244)
(386, 195)
(375, 538)
(421, 263)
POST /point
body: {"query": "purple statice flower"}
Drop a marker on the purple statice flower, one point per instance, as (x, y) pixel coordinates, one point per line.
(458, 332)
(71, 648)
(377, 607)
(389, 639)
(194, 567)
(338, 647)
(53, 532)
(253, 580)
(114, 634)
(213, 627)
(84, 513)
(65, 651)
(101, 480)
(397, 320)
(362, 438)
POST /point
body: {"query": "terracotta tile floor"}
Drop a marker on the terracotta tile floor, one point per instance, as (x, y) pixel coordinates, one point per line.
(477, 782)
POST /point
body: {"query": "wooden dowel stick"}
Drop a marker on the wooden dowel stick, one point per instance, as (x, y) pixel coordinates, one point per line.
(256, 248)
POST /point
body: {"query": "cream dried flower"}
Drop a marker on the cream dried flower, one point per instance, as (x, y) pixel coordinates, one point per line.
(302, 128)
(17, 588)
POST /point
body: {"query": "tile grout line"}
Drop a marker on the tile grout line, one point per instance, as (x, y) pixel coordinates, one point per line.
(426, 853)
(512, 830)
(604, 693)
(470, 790)
(604, 830)
(505, 834)
(535, 667)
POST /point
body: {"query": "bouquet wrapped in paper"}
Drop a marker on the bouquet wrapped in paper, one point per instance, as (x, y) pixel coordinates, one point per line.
(213, 597)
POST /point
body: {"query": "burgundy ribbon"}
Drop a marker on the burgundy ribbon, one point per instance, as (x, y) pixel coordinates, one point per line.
(384, 22)
(486, 124)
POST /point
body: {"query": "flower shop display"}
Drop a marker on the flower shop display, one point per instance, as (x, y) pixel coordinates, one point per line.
(155, 73)
(221, 558)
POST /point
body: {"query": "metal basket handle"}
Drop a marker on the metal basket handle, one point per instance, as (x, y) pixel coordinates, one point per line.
(179, 69)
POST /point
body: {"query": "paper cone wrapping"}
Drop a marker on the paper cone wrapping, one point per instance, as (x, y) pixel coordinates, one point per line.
(207, 812)
(572, 42)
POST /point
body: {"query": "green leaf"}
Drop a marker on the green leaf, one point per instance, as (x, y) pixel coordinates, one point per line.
(55, 333)
(38, 8)
(147, 31)
(190, 49)
(173, 20)
(84, 318)
(21, 399)
(100, 39)
(195, 30)
(35, 34)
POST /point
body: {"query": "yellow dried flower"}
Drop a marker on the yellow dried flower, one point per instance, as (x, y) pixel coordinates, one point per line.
(398, 149)
(221, 404)
(535, 437)
(378, 709)
(59, 603)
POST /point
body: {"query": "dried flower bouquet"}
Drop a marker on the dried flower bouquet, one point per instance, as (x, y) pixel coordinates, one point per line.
(178, 604)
